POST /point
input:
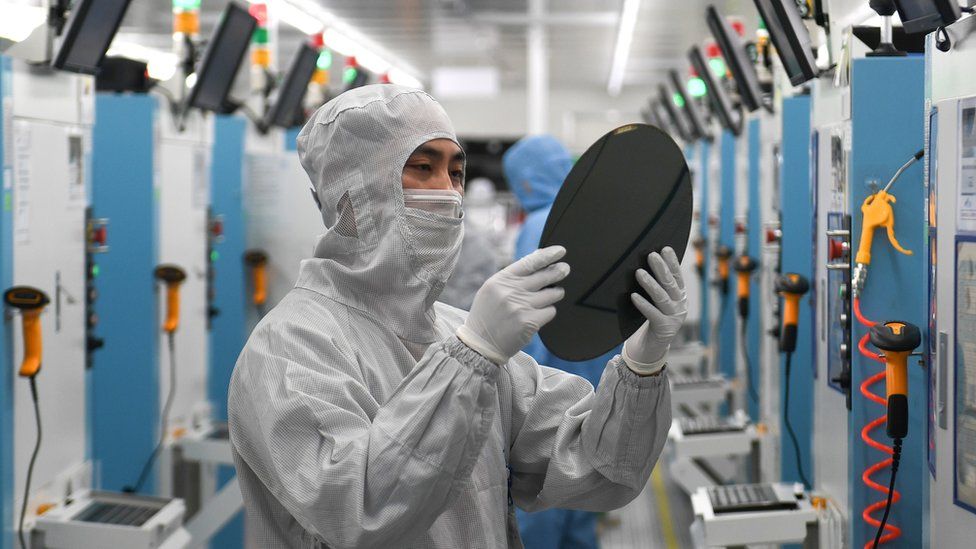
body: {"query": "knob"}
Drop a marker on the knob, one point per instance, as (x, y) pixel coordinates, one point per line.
(837, 249)
(95, 343)
(845, 351)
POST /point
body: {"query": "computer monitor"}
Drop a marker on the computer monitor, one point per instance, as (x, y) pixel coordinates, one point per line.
(734, 52)
(924, 16)
(666, 100)
(721, 104)
(89, 32)
(695, 119)
(791, 38)
(292, 90)
(222, 58)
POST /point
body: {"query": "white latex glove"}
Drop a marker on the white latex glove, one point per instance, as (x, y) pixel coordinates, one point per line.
(513, 304)
(645, 351)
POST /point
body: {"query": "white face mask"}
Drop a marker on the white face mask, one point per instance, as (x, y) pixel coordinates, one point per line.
(436, 201)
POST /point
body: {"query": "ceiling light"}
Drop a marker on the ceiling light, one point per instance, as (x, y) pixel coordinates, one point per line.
(402, 78)
(297, 18)
(621, 52)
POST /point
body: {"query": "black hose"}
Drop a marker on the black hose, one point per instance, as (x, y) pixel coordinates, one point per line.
(163, 420)
(750, 382)
(30, 467)
(789, 426)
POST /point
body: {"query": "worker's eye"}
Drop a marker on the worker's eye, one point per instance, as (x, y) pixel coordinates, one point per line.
(457, 174)
(423, 167)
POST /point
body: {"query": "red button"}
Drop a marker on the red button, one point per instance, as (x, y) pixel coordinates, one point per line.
(100, 235)
(835, 249)
(217, 228)
(772, 236)
(740, 228)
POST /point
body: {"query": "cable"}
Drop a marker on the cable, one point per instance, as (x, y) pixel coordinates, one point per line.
(895, 459)
(164, 419)
(750, 383)
(789, 426)
(30, 467)
(892, 496)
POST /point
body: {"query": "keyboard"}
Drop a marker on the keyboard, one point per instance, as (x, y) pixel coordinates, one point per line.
(704, 425)
(740, 498)
(122, 514)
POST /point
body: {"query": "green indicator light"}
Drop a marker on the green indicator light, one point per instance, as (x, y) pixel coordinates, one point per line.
(696, 87)
(324, 61)
(214, 256)
(186, 5)
(96, 270)
(678, 100)
(717, 65)
(6, 201)
(260, 36)
(349, 75)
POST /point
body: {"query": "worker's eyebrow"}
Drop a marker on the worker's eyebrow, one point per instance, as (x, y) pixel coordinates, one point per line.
(436, 153)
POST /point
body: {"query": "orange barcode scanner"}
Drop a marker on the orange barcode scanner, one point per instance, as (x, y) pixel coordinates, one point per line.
(257, 261)
(699, 244)
(897, 339)
(744, 267)
(792, 287)
(724, 254)
(31, 302)
(172, 276)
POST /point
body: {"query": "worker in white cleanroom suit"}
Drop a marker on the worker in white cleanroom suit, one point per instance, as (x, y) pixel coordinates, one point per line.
(365, 414)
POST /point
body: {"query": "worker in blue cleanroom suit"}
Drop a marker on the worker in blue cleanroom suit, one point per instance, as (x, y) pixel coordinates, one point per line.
(535, 168)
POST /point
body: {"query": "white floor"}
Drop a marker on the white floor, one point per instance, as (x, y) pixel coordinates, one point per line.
(660, 517)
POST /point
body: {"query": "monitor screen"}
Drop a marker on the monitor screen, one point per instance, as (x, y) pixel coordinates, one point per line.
(734, 52)
(791, 38)
(666, 100)
(721, 104)
(88, 34)
(690, 107)
(292, 90)
(222, 58)
(924, 16)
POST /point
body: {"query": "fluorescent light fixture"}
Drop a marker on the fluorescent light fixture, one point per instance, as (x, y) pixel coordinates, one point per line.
(296, 17)
(161, 65)
(402, 78)
(372, 62)
(310, 18)
(338, 42)
(19, 21)
(621, 51)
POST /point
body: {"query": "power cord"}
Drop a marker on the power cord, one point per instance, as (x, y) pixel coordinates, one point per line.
(33, 461)
(164, 420)
(751, 383)
(895, 459)
(789, 426)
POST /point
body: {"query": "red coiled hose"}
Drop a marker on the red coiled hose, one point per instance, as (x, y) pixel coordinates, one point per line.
(892, 532)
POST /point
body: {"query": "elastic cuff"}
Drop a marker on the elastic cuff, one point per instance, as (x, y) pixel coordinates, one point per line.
(466, 355)
(643, 368)
(479, 345)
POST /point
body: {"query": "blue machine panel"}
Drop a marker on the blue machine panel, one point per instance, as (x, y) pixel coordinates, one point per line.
(797, 249)
(291, 135)
(888, 128)
(6, 348)
(754, 249)
(124, 378)
(726, 315)
(227, 329)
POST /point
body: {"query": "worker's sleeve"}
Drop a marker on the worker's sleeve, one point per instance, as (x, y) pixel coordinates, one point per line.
(573, 448)
(300, 418)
